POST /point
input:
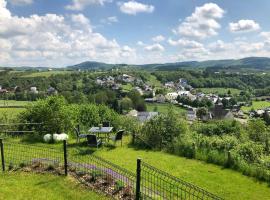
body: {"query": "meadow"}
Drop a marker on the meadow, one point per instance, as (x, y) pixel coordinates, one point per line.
(15, 186)
(45, 74)
(256, 105)
(13, 103)
(163, 108)
(220, 91)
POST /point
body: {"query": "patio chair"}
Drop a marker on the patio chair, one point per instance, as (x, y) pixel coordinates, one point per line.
(118, 136)
(78, 134)
(106, 124)
(93, 141)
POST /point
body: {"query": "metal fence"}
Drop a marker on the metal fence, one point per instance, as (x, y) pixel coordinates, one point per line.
(157, 184)
(147, 183)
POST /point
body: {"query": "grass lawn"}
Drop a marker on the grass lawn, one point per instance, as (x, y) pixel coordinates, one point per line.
(154, 82)
(15, 186)
(126, 88)
(13, 103)
(163, 108)
(219, 90)
(256, 105)
(45, 74)
(226, 183)
(10, 113)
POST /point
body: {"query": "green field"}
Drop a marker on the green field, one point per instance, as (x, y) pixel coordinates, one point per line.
(15, 186)
(219, 90)
(127, 88)
(163, 108)
(13, 103)
(10, 113)
(154, 82)
(226, 183)
(45, 74)
(256, 105)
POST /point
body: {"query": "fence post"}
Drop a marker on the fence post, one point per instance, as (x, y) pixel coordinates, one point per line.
(138, 179)
(65, 157)
(2, 154)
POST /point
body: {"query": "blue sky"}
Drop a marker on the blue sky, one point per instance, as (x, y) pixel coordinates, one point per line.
(64, 32)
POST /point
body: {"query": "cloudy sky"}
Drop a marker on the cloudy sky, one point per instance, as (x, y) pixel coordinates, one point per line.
(64, 32)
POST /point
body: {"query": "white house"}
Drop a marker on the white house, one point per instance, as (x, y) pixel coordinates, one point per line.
(171, 96)
(34, 90)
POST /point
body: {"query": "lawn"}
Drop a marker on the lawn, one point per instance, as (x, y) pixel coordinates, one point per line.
(10, 113)
(14, 186)
(256, 105)
(13, 103)
(127, 87)
(154, 82)
(163, 108)
(45, 74)
(219, 90)
(226, 183)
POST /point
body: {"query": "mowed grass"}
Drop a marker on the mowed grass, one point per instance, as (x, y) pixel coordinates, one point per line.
(163, 108)
(256, 105)
(219, 90)
(223, 182)
(10, 113)
(13, 103)
(45, 74)
(15, 186)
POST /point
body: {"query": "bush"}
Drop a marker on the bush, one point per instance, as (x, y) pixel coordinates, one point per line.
(54, 113)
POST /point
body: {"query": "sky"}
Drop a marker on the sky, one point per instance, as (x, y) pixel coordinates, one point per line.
(58, 33)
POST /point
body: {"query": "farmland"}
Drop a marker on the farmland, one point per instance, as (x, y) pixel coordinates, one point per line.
(256, 105)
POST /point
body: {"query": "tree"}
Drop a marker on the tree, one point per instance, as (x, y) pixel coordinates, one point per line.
(201, 112)
(126, 103)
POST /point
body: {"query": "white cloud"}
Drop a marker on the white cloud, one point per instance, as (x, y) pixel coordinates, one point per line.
(55, 39)
(140, 43)
(202, 23)
(190, 44)
(158, 38)
(244, 26)
(20, 2)
(133, 7)
(110, 20)
(81, 4)
(154, 48)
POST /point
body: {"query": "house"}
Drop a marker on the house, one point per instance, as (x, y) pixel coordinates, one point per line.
(169, 85)
(52, 91)
(34, 90)
(144, 116)
(191, 115)
(127, 78)
(3, 91)
(171, 96)
(185, 93)
(219, 113)
(139, 90)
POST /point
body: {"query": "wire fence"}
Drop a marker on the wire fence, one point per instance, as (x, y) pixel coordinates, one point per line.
(156, 184)
(147, 183)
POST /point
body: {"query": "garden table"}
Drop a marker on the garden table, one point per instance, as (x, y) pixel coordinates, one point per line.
(105, 131)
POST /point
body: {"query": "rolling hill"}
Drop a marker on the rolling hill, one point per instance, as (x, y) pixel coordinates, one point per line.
(256, 63)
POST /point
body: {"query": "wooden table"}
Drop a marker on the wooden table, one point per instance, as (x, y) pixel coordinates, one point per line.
(101, 131)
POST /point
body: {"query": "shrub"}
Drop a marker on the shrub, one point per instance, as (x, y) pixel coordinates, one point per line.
(249, 151)
(54, 114)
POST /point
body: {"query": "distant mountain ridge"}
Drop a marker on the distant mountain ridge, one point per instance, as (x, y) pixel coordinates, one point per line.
(261, 63)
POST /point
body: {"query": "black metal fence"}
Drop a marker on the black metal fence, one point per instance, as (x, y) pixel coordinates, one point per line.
(157, 184)
(147, 183)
